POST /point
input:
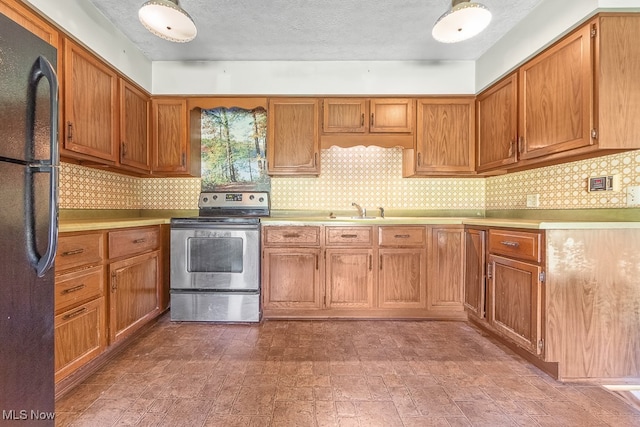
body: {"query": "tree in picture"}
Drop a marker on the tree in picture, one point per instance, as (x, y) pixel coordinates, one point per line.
(233, 149)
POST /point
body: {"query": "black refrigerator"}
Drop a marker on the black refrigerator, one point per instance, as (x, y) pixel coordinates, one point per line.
(29, 163)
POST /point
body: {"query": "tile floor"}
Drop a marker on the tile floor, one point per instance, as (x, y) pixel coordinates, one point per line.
(330, 373)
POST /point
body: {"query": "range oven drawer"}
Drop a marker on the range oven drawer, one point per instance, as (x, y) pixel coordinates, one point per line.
(215, 306)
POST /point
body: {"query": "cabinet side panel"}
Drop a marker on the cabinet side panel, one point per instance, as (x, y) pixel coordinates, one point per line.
(619, 85)
(595, 274)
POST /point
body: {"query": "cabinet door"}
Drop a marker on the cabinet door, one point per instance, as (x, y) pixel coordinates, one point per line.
(497, 118)
(291, 278)
(556, 91)
(80, 335)
(134, 298)
(170, 144)
(515, 304)
(474, 272)
(90, 105)
(134, 127)
(345, 115)
(349, 278)
(391, 115)
(445, 286)
(445, 140)
(293, 142)
(401, 278)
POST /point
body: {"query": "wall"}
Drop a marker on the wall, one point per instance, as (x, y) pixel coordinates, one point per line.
(371, 177)
(313, 77)
(546, 23)
(87, 188)
(82, 20)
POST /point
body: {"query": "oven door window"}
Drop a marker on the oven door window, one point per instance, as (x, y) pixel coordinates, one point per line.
(215, 255)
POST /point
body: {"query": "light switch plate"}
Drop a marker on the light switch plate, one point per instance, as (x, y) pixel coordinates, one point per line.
(533, 200)
(633, 196)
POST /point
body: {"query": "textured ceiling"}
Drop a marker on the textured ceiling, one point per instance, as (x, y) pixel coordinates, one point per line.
(321, 30)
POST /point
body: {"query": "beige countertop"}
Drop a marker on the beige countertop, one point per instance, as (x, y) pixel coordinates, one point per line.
(486, 222)
(90, 224)
(71, 225)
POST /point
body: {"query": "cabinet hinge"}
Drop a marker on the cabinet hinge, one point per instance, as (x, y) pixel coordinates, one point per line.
(542, 276)
(594, 31)
(489, 271)
(594, 134)
(541, 345)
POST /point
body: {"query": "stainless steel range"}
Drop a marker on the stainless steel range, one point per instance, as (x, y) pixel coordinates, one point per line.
(215, 259)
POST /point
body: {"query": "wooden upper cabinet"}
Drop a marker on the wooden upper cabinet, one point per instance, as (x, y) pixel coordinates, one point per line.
(360, 115)
(445, 138)
(497, 125)
(556, 89)
(23, 16)
(345, 115)
(391, 115)
(293, 144)
(134, 127)
(618, 86)
(90, 106)
(170, 144)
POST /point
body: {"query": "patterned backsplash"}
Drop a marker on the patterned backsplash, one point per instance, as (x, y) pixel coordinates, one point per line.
(372, 177)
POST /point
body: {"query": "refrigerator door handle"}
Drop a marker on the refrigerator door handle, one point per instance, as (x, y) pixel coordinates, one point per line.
(42, 68)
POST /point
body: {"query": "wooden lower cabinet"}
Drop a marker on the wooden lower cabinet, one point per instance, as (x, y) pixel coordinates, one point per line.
(445, 289)
(474, 272)
(401, 278)
(80, 306)
(108, 284)
(79, 336)
(292, 277)
(357, 271)
(134, 294)
(515, 308)
(349, 278)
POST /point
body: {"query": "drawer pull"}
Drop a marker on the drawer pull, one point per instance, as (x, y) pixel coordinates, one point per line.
(402, 236)
(74, 289)
(291, 235)
(510, 244)
(137, 241)
(75, 314)
(73, 252)
(348, 236)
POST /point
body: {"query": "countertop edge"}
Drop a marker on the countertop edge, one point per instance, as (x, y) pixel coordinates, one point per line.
(78, 225)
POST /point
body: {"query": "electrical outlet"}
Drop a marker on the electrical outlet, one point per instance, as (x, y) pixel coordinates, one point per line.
(533, 200)
(633, 196)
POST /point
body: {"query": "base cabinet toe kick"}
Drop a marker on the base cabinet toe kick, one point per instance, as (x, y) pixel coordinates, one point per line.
(566, 300)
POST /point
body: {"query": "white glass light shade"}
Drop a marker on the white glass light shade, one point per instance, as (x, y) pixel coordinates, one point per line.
(463, 21)
(166, 19)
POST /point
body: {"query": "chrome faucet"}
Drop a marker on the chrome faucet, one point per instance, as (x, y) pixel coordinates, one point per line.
(362, 212)
(381, 212)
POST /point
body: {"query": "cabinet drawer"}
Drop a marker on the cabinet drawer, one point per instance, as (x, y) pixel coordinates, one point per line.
(517, 244)
(401, 236)
(79, 337)
(280, 236)
(349, 236)
(80, 249)
(133, 241)
(78, 286)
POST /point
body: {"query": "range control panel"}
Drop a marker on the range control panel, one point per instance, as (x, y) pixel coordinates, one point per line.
(234, 200)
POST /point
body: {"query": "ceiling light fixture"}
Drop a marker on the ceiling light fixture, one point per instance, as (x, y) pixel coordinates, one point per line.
(463, 21)
(166, 19)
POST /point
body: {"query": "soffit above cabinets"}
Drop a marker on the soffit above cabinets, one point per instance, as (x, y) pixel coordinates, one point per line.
(322, 30)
